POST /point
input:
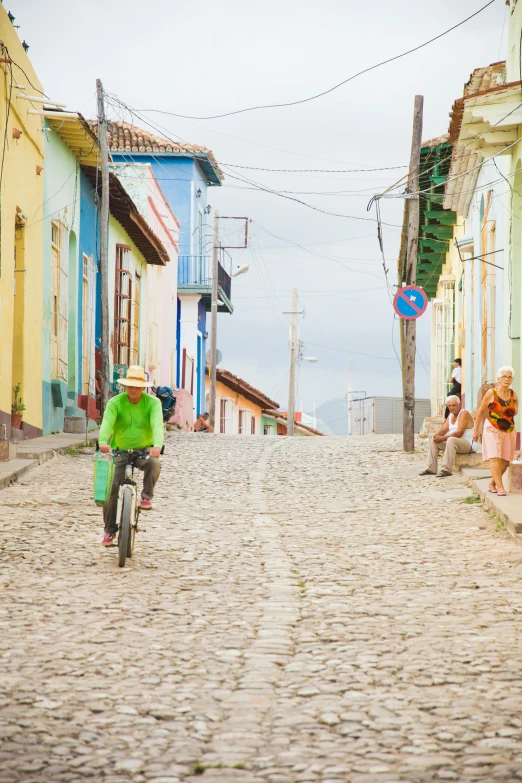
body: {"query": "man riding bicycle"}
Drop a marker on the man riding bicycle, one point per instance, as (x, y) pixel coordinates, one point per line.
(132, 420)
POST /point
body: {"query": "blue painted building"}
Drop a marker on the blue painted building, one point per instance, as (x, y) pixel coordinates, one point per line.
(184, 173)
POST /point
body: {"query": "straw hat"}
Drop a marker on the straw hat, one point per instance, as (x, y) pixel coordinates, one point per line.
(135, 377)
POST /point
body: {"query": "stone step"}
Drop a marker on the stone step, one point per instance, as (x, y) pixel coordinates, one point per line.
(7, 451)
(431, 425)
(76, 424)
(469, 461)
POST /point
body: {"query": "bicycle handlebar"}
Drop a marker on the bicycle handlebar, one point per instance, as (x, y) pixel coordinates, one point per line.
(140, 452)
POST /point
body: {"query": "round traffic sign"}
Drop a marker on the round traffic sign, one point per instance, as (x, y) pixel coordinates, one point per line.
(410, 302)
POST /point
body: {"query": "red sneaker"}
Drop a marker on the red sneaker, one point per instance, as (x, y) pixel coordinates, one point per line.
(145, 504)
(108, 539)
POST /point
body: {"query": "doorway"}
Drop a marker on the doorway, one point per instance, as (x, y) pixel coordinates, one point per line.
(18, 362)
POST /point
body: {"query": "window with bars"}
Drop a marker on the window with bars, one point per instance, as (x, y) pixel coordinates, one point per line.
(59, 305)
(241, 422)
(222, 416)
(88, 324)
(135, 321)
(253, 425)
(444, 309)
(122, 307)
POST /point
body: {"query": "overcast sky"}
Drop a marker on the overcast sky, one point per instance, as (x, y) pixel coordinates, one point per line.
(208, 58)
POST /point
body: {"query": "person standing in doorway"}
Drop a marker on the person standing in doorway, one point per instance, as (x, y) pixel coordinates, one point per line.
(499, 407)
(456, 383)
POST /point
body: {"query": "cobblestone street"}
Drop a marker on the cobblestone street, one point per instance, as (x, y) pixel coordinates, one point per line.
(301, 610)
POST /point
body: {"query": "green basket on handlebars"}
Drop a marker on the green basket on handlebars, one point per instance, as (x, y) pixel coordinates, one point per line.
(103, 476)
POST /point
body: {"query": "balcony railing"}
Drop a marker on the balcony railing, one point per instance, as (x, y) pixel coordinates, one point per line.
(196, 272)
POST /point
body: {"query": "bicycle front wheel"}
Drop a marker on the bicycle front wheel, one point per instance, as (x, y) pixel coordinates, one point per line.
(132, 532)
(125, 526)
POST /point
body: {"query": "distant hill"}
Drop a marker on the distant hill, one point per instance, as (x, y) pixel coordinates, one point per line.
(332, 417)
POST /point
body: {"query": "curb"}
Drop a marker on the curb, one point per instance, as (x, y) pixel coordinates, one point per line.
(9, 478)
(513, 527)
(34, 459)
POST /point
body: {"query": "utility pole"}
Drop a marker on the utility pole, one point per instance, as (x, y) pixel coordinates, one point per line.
(216, 246)
(410, 330)
(293, 365)
(104, 248)
(213, 325)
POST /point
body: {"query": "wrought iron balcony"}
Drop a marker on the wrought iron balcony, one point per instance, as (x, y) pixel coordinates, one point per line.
(195, 276)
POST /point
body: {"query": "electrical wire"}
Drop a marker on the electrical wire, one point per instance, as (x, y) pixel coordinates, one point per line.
(320, 171)
(304, 203)
(317, 255)
(331, 89)
(5, 53)
(455, 155)
(26, 76)
(354, 353)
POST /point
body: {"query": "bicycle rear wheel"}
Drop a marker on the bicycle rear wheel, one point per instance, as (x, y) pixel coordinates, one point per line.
(125, 526)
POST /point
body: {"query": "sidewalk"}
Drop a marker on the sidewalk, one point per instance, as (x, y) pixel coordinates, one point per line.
(508, 509)
(477, 475)
(31, 453)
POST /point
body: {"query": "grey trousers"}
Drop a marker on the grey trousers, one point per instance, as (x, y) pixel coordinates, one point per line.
(450, 447)
(151, 469)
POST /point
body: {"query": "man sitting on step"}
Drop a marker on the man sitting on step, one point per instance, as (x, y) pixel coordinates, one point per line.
(454, 437)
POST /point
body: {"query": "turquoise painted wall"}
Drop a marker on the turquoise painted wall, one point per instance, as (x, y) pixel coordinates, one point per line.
(270, 421)
(61, 204)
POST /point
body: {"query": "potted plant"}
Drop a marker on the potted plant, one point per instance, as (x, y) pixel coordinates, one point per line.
(17, 408)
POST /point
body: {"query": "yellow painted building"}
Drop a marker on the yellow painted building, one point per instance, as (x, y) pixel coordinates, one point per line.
(21, 237)
(239, 406)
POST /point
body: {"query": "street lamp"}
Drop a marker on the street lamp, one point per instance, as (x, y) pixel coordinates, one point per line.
(311, 359)
(240, 270)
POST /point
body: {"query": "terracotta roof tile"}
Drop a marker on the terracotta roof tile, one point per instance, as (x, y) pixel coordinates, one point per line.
(298, 424)
(125, 137)
(436, 141)
(481, 81)
(242, 387)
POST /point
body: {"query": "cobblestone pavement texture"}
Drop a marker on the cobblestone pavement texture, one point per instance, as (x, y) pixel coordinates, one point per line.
(299, 610)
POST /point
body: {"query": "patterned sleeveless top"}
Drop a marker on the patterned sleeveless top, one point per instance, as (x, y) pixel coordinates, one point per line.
(501, 415)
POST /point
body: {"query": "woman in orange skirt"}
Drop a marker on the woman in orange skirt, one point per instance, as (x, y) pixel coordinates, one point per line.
(499, 407)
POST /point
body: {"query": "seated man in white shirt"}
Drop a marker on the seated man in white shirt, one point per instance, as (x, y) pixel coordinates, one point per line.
(454, 437)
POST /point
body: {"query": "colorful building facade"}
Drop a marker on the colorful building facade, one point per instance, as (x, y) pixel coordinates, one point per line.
(21, 236)
(161, 340)
(185, 173)
(70, 267)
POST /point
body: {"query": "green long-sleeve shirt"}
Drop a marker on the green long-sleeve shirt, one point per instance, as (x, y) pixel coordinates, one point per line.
(131, 426)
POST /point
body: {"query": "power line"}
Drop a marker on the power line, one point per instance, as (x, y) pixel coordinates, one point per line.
(319, 171)
(305, 204)
(355, 353)
(318, 255)
(331, 89)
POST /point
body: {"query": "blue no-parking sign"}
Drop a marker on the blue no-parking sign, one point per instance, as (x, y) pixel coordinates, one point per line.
(410, 302)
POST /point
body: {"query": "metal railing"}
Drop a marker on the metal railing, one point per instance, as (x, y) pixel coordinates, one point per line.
(197, 271)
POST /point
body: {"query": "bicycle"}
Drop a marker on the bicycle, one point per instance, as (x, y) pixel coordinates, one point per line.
(128, 509)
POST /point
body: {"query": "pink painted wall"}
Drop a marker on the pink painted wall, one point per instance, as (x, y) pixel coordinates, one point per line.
(166, 226)
(139, 181)
(184, 415)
